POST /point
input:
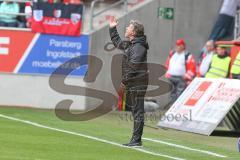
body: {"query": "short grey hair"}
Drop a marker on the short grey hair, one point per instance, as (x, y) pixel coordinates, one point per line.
(211, 42)
(137, 27)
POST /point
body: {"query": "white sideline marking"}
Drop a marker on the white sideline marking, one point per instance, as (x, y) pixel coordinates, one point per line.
(16, 158)
(19, 158)
(89, 137)
(185, 147)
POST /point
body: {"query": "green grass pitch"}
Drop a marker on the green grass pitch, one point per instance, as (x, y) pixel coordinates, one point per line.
(22, 141)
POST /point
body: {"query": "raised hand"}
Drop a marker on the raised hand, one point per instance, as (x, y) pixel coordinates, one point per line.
(113, 22)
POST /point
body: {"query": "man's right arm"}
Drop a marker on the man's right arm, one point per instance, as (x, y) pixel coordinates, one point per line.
(117, 42)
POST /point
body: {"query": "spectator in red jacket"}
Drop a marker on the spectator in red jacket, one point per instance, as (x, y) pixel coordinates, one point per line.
(181, 68)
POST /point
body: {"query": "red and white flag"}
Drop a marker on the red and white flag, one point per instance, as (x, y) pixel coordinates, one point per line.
(57, 18)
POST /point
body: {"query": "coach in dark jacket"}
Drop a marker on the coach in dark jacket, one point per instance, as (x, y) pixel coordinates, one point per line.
(134, 72)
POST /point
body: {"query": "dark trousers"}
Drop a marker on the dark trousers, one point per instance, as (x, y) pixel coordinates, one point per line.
(135, 101)
(179, 86)
(223, 28)
(236, 76)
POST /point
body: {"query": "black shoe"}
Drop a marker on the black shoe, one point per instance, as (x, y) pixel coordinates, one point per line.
(134, 144)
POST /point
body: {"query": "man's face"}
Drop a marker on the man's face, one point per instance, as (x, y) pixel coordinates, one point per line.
(221, 51)
(209, 47)
(129, 31)
(179, 48)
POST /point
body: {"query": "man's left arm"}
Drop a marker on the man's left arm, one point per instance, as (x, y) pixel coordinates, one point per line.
(190, 68)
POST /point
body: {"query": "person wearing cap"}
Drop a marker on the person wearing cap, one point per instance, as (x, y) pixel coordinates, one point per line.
(220, 64)
(181, 69)
(235, 70)
(206, 58)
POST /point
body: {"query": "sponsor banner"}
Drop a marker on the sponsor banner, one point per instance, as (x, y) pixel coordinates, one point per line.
(57, 18)
(203, 105)
(13, 44)
(50, 51)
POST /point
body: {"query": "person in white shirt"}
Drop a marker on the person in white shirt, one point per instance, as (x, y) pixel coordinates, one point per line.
(206, 58)
(181, 69)
(224, 25)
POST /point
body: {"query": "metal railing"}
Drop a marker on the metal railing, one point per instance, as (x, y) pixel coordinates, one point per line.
(237, 25)
(15, 14)
(93, 15)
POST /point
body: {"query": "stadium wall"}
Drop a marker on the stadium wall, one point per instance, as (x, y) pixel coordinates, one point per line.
(193, 20)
